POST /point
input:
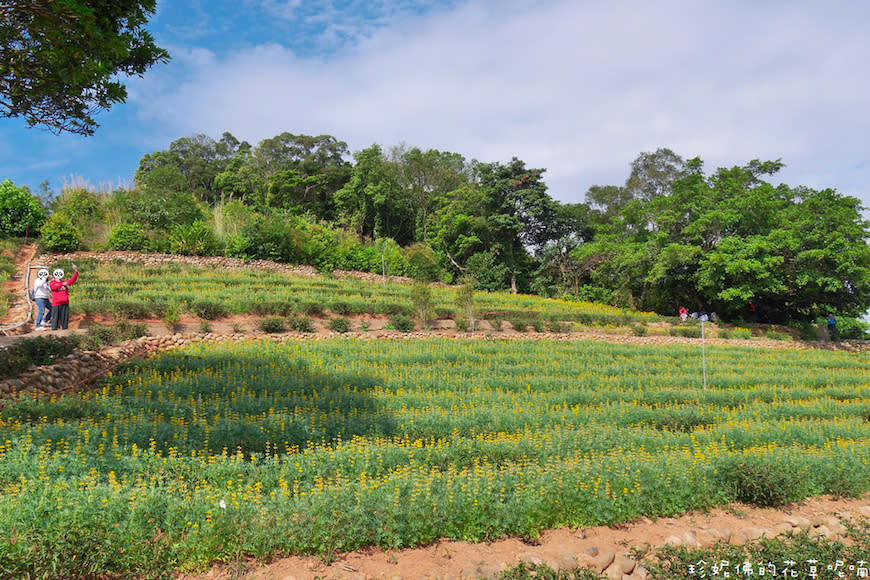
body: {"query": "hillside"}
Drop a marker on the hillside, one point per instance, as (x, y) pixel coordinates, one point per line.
(497, 432)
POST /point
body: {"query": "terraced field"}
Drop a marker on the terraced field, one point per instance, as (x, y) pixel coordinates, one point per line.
(260, 449)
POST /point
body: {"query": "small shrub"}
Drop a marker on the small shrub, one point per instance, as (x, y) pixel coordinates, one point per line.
(742, 333)
(196, 239)
(128, 236)
(157, 307)
(129, 309)
(59, 234)
(12, 363)
(462, 324)
(98, 336)
(44, 350)
(208, 309)
(444, 312)
(311, 308)
(171, 318)
(126, 330)
(761, 481)
(237, 328)
(852, 328)
(272, 324)
(776, 335)
(519, 324)
(342, 308)
(301, 323)
(529, 571)
(421, 298)
(393, 308)
(274, 307)
(204, 326)
(686, 331)
(402, 322)
(496, 324)
(339, 324)
(808, 331)
(558, 326)
(681, 419)
(639, 330)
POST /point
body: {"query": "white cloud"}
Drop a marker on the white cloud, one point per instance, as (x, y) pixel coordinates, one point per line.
(579, 88)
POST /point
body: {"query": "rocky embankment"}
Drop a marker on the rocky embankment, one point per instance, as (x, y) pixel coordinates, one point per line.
(77, 369)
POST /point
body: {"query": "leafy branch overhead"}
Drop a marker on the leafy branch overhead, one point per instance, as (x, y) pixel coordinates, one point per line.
(60, 60)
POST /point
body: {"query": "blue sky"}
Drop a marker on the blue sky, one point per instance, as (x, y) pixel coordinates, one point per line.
(573, 86)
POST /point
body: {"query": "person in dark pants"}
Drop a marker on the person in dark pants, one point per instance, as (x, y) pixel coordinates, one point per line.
(833, 332)
(752, 311)
(60, 298)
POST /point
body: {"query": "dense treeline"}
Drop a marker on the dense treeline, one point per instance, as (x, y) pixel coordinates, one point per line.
(671, 235)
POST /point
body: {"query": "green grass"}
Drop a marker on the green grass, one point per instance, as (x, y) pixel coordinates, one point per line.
(209, 453)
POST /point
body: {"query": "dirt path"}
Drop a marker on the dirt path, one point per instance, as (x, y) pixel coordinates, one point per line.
(15, 319)
(602, 548)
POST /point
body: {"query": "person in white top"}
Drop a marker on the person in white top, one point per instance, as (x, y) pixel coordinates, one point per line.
(42, 296)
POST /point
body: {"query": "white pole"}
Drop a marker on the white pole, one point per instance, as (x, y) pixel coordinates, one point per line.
(703, 355)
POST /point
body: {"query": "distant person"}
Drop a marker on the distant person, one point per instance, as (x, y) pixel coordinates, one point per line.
(752, 311)
(833, 332)
(42, 297)
(684, 313)
(60, 297)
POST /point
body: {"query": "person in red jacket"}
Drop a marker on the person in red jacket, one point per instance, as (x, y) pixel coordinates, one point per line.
(60, 297)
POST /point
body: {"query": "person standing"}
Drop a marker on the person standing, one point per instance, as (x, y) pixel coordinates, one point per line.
(753, 313)
(42, 296)
(684, 313)
(60, 297)
(833, 332)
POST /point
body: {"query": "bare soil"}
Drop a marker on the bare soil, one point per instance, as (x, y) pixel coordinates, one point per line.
(601, 548)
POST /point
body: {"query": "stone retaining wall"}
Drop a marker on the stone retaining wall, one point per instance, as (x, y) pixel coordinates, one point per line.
(81, 366)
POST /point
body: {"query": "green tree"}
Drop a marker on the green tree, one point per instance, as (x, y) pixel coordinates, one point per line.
(197, 159)
(61, 60)
(160, 201)
(520, 214)
(20, 212)
(423, 263)
(426, 176)
(458, 227)
(372, 202)
(714, 242)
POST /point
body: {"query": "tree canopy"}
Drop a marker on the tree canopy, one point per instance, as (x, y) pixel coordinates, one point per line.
(713, 242)
(670, 236)
(20, 212)
(60, 59)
